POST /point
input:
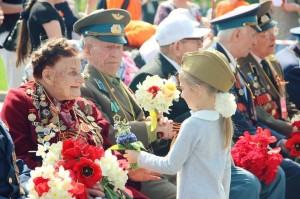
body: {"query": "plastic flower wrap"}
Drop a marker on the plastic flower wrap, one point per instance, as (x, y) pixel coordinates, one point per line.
(251, 153)
(156, 95)
(126, 139)
(71, 166)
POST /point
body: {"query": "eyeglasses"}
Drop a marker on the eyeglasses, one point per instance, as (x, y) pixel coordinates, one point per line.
(268, 33)
(200, 40)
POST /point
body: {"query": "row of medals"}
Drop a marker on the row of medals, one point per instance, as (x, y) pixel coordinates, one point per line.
(46, 132)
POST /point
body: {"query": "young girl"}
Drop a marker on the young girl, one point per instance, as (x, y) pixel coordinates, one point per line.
(201, 152)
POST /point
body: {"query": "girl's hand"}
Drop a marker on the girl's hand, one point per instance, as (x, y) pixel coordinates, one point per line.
(131, 156)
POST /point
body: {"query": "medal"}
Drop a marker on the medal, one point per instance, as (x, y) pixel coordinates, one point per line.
(46, 113)
(39, 129)
(241, 92)
(94, 124)
(90, 118)
(85, 128)
(31, 117)
(63, 128)
(43, 97)
(46, 131)
(43, 104)
(55, 119)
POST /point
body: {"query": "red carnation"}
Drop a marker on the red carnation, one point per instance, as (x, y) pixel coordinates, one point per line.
(41, 185)
(293, 144)
(251, 153)
(154, 90)
(87, 172)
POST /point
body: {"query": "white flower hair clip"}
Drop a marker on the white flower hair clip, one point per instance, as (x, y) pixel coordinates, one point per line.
(225, 104)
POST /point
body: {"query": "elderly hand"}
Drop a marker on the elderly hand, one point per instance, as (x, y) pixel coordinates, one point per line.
(165, 126)
(285, 151)
(141, 175)
(96, 191)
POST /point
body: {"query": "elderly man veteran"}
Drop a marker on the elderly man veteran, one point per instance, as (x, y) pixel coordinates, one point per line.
(236, 37)
(103, 35)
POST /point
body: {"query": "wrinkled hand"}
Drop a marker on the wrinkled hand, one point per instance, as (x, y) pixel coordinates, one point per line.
(285, 151)
(96, 191)
(142, 175)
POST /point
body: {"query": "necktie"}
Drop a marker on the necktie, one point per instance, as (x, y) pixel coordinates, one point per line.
(266, 67)
(267, 70)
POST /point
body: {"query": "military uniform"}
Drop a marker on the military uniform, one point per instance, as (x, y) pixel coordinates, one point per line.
(111, 96)
(14, 173)
(268, 92)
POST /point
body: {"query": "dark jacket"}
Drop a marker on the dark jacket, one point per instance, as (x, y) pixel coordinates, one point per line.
(14, 173)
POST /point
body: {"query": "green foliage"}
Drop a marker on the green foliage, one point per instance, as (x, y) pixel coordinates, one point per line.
(3, 84)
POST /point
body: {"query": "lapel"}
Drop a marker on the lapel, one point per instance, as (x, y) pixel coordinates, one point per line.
(168, 68)
(106, 86)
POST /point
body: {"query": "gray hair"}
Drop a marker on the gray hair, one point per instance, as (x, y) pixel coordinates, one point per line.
(225, 35)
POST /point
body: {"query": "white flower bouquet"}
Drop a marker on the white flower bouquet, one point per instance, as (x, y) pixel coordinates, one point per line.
(156, 95)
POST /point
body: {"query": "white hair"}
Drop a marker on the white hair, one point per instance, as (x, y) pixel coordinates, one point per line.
(225, 35)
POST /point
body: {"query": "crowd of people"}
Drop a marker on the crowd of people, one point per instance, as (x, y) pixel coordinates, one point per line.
(81, 75)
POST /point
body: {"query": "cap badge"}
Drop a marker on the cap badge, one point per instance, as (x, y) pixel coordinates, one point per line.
(265, 19)
(117, 16)
(116, 28)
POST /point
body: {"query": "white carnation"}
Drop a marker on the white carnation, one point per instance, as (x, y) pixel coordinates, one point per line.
(225, 104)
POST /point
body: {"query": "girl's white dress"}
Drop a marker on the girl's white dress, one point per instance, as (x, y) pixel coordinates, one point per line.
(198, 157)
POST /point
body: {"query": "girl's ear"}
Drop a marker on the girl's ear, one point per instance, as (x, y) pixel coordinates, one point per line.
(48, 75)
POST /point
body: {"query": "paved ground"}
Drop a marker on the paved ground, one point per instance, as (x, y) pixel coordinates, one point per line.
(2, 96)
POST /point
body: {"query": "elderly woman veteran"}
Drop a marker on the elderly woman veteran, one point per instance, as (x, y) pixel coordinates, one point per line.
(50, 109)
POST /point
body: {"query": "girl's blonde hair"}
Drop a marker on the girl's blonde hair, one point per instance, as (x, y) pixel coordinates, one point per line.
(227, 122)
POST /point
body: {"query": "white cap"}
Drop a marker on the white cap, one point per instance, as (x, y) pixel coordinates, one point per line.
(183, 11)
(177, 27)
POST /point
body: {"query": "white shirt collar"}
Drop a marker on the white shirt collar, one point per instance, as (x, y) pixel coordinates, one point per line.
(176, 66)
(232, 63)
(209, 115)
(257, 59)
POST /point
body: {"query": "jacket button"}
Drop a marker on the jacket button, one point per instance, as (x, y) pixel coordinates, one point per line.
(10, 180)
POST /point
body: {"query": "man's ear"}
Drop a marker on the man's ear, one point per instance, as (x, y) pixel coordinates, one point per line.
(87, 50)
(48, 75)
(236, 34)
(176, 48)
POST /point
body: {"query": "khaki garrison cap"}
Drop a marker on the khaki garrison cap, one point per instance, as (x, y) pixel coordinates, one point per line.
(105, 25)
(211, 67)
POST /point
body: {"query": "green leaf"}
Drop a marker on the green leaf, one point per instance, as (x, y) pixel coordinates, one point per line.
(138, 145)
(117, 147)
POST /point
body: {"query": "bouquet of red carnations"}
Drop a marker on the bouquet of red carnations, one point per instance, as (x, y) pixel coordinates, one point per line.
(71, 166)
(251, 152)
